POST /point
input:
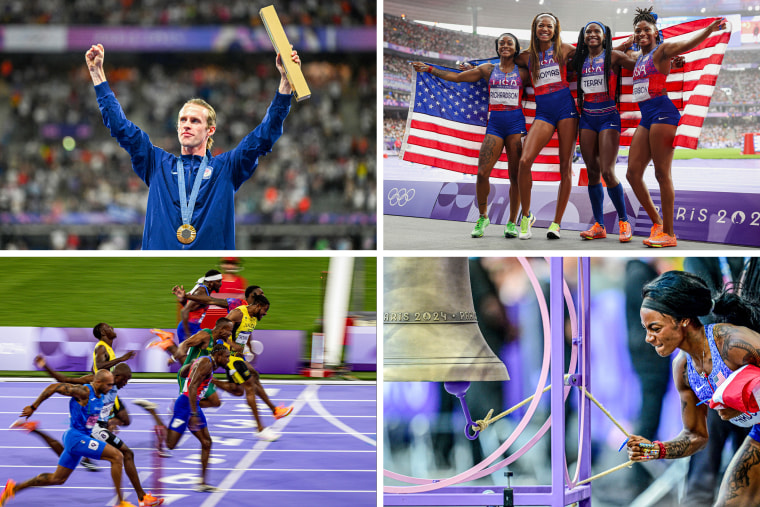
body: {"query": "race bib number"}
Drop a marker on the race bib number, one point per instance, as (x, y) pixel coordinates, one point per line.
(106, 410)
(641, 90)
(242, 337)
(504, 97)
(746, 420)
(92, 420)
(93, 445)
(549, 75)
(593, 83)
(176, 423)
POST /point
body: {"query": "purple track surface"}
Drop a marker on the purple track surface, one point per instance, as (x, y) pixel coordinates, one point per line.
(326, 454)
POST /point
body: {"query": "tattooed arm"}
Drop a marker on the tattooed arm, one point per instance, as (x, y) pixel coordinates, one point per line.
(738, 345)
(78, 392)
(694, 435)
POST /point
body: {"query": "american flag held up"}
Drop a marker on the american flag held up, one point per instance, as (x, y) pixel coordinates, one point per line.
(447, 121)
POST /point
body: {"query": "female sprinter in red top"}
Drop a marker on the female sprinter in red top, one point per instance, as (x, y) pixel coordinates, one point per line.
(546, 60)
(654, 136)
(597, 66)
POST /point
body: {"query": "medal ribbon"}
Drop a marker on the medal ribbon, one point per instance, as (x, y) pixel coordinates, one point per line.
(187, 206)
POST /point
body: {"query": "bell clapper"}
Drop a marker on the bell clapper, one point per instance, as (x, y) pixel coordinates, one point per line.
(459, 389)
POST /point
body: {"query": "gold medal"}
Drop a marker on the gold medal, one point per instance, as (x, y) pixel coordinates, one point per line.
(186, 234)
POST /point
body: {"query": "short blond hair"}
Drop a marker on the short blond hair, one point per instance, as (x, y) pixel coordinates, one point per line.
(210, 121)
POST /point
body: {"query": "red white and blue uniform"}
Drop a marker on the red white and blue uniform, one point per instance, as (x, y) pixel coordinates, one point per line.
(77, 441)
(182, 412)
(193, 320)
(651, 94)
(554, 102)
(599, 109)
(505, 116)
(705, 387)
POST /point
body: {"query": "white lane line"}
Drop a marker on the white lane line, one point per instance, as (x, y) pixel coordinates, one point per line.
(252, 455)
(313, 401)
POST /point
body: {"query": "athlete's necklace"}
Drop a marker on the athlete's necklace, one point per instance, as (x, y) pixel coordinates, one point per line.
(704, 374)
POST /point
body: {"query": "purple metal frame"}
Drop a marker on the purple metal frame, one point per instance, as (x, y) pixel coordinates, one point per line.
(558, 494)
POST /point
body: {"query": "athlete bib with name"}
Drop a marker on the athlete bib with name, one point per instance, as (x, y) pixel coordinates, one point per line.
(648, 82)
(551, 77)
(504, 90)
(246, 327)
(592, 80)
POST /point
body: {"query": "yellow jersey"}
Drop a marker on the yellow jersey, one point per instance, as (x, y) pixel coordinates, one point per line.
(109, 351)
(246, 327)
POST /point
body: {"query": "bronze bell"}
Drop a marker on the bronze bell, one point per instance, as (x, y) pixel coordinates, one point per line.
(430, 330)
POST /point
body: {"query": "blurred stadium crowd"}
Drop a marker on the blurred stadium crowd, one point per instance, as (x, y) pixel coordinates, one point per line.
(733, 109)
(320, 176)
(184, 12)
(414, 35)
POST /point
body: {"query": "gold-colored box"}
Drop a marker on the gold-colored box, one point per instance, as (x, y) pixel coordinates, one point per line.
(282, 45)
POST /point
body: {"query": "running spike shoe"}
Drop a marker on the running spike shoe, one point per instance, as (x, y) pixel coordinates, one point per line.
(595, 232)
(480, 227)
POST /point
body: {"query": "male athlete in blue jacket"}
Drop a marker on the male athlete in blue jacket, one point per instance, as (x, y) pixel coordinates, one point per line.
(191, 201)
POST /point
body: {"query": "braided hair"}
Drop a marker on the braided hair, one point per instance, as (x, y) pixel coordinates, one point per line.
(582, 52)
(218, 347)
(648, 16)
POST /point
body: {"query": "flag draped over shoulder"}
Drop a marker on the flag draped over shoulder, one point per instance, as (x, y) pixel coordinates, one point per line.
(447, 121)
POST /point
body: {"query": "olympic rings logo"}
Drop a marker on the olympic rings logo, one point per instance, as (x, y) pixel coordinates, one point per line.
(400, 196)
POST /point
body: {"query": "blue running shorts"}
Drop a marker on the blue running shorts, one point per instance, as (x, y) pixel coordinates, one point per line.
(194, 328)
(600, 120)
(181, 415)
(556, 106)
(77, 445)
(658, 110)
(505, 123)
